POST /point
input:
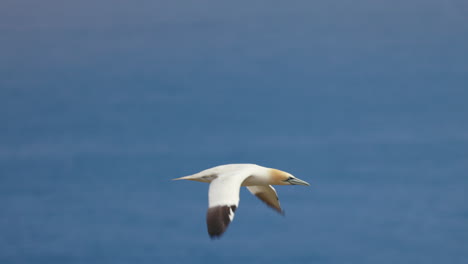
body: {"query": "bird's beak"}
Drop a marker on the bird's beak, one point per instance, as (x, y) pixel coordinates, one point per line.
(296, 181)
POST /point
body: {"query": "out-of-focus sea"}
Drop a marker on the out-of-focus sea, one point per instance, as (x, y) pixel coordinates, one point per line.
(103, 103)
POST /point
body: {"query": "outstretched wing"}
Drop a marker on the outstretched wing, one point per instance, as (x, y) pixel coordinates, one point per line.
(223, 198)
(268, 195)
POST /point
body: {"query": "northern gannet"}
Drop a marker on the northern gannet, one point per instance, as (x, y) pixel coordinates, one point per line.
(225, 182)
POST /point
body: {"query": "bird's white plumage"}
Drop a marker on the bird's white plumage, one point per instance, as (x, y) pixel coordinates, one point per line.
(231, 214)
(224, 190)
(225, 183)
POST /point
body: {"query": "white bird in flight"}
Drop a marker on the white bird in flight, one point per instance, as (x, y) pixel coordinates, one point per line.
(225, 182)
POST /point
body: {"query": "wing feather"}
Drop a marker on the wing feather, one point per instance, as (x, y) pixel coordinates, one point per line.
(223, 200)
(268, 195)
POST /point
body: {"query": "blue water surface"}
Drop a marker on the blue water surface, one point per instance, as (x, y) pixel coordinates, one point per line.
(102, 103)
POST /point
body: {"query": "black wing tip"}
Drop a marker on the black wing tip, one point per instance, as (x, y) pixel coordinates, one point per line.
(218, 219)
(216, 232)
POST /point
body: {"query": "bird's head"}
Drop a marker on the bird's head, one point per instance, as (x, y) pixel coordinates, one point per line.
(279, 177)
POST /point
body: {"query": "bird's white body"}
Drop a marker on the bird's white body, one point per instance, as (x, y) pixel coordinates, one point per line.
(208, 175)
(225, 182)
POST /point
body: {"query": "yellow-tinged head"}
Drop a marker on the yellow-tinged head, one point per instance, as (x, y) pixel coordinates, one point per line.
(279, 177)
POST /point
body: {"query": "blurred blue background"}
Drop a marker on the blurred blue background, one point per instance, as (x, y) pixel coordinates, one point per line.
(103, 102)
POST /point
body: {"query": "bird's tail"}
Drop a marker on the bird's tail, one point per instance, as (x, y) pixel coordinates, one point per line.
(190, 177)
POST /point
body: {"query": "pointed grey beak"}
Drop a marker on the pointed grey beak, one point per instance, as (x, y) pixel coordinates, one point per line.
(296, 181)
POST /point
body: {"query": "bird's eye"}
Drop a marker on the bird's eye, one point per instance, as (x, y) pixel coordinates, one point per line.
(288, 179)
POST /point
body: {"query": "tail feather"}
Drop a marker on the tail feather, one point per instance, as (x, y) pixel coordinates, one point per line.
(197, 177)
(190, 177)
